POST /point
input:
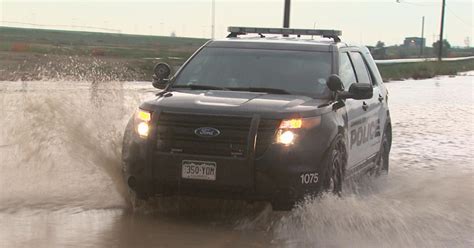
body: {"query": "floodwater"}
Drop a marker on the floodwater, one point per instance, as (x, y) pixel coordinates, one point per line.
(60, 182)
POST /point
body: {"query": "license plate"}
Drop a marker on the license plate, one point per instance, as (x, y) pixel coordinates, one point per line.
(201, 170)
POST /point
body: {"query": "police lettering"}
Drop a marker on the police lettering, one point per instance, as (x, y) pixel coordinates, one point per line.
(362, 134)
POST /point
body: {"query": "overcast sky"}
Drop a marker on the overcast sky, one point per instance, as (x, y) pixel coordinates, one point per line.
(363, 22)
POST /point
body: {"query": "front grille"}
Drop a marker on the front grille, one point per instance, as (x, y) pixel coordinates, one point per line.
(176, 133)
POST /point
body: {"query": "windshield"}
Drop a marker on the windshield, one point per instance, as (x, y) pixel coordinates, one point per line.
(294, 72)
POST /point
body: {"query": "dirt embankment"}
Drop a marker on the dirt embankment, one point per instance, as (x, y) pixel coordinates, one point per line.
(16, 66)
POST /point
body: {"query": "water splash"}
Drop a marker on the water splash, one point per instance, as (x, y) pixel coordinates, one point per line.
(60, 151)
(435, 211)
(61, 147)
(78, 68)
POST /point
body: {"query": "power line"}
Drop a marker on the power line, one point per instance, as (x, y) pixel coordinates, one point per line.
(417, 4)
(459, 18)
(61, 26)
(430, 5)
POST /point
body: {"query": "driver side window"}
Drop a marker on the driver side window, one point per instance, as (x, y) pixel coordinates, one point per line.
(346, 70)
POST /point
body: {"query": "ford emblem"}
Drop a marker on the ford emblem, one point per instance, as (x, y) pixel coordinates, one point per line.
(207, 132)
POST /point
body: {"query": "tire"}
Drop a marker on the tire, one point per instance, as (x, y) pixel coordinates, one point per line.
(335, 165)
(382, 164)
(136, 202)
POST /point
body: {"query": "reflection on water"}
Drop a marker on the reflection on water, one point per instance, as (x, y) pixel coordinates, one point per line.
(60, 182)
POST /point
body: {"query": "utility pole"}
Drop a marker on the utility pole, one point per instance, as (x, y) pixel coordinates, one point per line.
(286, 15)
(422, 36)
(213, 25)
(440, 46)
(314, 27)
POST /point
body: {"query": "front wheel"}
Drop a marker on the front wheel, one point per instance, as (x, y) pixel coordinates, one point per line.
(136, 202)
(382, 164)
(335, 165)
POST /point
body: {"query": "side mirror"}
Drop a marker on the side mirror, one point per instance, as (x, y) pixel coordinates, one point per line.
(162, 71)
(359, 91)
(335, 84)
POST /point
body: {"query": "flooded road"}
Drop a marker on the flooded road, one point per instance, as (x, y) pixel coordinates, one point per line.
(60, 181)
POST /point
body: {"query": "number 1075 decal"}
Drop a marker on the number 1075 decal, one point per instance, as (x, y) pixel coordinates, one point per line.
(309, 178)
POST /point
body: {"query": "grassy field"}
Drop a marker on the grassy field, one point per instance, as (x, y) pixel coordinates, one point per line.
(421, 70)
(73, 43)
(37, 54)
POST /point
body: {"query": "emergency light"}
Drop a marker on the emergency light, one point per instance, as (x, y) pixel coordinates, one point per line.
(327, 33)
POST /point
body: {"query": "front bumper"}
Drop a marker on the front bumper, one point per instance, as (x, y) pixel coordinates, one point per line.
(277, 174)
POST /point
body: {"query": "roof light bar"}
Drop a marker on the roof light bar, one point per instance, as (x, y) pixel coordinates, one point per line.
(285, 31)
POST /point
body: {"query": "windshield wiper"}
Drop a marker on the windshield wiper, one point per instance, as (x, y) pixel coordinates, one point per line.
(199, 87)
(257, 89)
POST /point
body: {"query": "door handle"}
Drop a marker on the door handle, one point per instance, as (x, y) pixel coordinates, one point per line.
(365, 106)
(380, 98)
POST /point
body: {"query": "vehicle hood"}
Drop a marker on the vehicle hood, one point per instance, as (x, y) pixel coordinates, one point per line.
(237, 103)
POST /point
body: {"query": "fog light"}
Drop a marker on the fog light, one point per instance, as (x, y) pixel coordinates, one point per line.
(285, 137)
(143, 129)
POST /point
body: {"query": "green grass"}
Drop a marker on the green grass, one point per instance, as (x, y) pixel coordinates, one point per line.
(420, 70)
(61, 37)
(72, 43)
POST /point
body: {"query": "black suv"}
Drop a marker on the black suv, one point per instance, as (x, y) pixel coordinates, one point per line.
(262, 118)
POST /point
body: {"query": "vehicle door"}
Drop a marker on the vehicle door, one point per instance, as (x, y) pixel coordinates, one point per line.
(365, 130)
(355, 110)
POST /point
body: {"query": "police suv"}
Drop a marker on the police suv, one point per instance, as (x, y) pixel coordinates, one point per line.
(273, 117)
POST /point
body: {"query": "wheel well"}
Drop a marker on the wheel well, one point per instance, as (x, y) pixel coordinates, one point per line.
(388, 130)
(341, 132)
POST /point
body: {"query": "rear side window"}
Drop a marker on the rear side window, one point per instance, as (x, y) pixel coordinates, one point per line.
(360, 68)
(346, 71)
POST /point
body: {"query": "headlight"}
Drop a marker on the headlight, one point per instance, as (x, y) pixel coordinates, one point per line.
(289, 129)
(142, 119)
(285, 137)
(143, 129)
